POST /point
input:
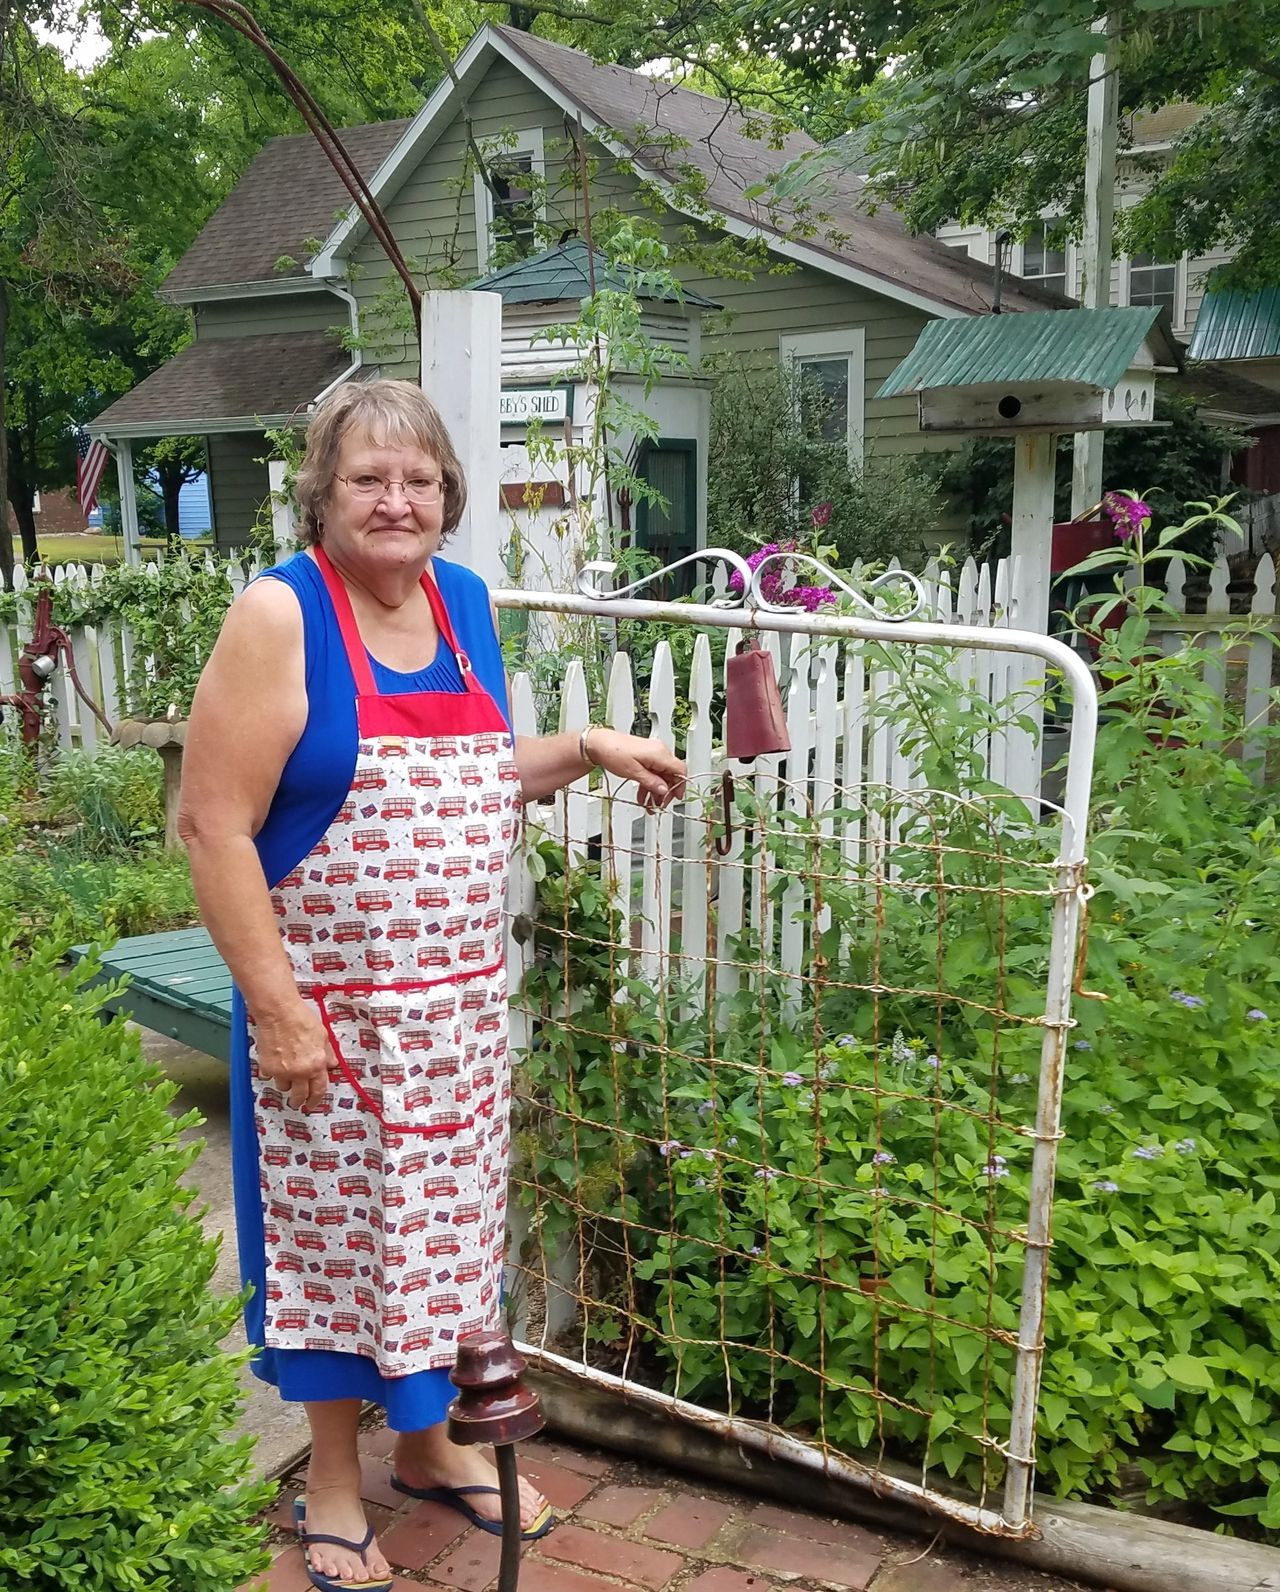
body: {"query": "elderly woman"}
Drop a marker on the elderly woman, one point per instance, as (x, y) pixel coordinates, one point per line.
(351, 797)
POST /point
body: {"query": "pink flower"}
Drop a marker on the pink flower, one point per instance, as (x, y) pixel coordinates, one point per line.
(1128, 514)
(822, 515)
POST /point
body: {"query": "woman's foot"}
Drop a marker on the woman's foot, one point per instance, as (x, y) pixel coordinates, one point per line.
(334, 1509)
(429, 1459)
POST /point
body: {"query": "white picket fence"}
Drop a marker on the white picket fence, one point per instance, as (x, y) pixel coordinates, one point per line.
(970, 594)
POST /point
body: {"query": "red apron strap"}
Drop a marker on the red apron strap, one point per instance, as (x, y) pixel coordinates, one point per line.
(441, 615)
(357, 657)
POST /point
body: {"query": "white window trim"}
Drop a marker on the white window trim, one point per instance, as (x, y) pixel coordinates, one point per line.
(1179, 287)
(852, 341)
(1017, 261)
(527, 143)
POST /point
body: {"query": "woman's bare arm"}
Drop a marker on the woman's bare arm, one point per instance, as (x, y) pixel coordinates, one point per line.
(249, 710)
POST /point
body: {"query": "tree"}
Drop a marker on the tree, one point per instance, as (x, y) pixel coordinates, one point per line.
(982, 117)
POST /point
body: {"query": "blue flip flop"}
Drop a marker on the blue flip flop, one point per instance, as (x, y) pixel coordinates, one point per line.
(453, 1498)
(380, 1583)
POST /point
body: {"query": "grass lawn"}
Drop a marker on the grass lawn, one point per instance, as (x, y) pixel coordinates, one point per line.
(94, 547)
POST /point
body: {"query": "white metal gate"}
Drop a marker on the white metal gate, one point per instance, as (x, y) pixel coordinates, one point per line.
(715, 1189)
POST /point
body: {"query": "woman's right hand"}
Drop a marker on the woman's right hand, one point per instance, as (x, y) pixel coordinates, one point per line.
(293, 1053)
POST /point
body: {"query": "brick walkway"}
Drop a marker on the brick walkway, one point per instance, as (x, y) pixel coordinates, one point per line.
(626, 1527)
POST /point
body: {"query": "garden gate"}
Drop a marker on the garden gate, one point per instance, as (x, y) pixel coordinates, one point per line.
(790, 1056)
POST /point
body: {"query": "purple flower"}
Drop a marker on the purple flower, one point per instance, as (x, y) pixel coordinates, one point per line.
(707, 1105)
(685, 1154)
(821, 515)
(1104, 1185)
(846, 1039)
(793, 1080)
(1083, 1044)
(1183, 999)
(1127, 513)
(883, 1158)
(1185, 1147)
(755, 1249)
(1256, 1015)
(995, 1167)
(1106, 1111)
(668, 1146)
(766, 1174)
(932, 1061)
(1148, 1152)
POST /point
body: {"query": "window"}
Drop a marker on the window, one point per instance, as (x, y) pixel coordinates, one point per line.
(670, 532)
(507, 216)
(1044, 262)
(832, 366)
(1152, 281)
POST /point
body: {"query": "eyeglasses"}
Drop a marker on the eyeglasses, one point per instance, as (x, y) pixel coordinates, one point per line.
(420, 489)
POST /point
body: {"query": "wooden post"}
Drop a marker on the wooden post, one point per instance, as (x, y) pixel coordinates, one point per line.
(128, 502)
(1032, 536)
(1095, 249)
(462, 375)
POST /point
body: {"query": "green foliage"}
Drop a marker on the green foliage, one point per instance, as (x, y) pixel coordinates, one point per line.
(118, 1468)
(1184, 455)
(770, 466)
(815, 1201)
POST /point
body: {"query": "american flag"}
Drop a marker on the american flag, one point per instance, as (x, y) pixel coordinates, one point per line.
(91, 461)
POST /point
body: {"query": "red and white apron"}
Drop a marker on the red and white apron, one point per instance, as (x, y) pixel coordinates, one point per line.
(384, 1206)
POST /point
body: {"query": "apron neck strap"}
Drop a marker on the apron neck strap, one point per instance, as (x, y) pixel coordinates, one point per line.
(357, 654)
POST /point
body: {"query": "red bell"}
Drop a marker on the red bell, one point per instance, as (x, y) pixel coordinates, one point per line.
(753, 717)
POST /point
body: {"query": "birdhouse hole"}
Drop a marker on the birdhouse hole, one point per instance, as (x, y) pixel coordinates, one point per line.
(1009, 407)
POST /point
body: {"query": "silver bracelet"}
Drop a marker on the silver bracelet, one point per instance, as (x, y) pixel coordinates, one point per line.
(583, 752)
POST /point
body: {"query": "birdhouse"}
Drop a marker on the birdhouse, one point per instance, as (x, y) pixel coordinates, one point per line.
(1060, 371)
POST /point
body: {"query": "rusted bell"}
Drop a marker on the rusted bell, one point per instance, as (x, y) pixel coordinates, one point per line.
(753, 718)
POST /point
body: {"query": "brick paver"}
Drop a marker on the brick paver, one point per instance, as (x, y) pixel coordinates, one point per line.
(652, 1568)
(922, 1575)
(620, 1506)
(723, 1579)
(814, 1528)
(564, 1489)
(819, 1561)
(688, 1522)
(472, 1564)
(421, 1534)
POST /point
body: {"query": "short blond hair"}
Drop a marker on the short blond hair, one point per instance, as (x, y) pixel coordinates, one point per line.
(391, 414)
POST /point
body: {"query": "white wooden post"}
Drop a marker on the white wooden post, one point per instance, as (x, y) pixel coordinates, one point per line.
(128, 502)
(284, 526)
(1095, 249)
(1031, 540)
(462, 375)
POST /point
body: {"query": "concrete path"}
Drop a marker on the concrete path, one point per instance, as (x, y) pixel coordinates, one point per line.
(625, 1527)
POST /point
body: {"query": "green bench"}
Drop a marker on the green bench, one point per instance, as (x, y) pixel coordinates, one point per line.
(178, 985)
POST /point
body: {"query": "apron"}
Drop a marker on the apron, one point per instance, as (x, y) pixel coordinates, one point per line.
(383, 1207)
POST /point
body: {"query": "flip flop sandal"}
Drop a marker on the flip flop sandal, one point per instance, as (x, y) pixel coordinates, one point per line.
(380, 1583)
(453, 1498)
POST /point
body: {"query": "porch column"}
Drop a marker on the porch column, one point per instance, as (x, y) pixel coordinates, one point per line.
(128, 501)
(462, 375)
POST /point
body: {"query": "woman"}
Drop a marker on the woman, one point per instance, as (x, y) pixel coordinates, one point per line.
(351, 794)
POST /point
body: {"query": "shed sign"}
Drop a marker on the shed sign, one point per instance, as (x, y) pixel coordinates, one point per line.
(524, 404)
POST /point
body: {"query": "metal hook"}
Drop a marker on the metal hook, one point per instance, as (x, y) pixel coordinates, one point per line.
(891, 577)
(723, 844)
(588, 586)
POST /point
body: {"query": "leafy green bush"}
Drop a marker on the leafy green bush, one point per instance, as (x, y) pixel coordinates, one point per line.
(95, 898)
(810, 1210)
(114, 797)
(771, 470)
(118, 1469)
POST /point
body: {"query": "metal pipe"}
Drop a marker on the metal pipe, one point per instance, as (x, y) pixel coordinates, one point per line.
(509, 1486)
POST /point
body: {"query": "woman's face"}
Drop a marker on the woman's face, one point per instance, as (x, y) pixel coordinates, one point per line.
(374, 528)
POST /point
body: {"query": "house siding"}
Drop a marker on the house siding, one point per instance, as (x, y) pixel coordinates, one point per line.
(238, 485)
(250, 317)
(434, 219)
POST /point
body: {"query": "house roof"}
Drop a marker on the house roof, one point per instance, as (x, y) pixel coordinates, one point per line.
(228, 384)
(1163, 124)
(665, 130)
(289, 194)
(564, 273)
(1090, 348)
(1232, 324)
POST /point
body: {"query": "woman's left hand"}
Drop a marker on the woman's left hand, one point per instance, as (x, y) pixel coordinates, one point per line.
(657, 771)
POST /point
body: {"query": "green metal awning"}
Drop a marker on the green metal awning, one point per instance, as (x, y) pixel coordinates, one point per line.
(1237, 325)
(566, 273)
(1087, 348)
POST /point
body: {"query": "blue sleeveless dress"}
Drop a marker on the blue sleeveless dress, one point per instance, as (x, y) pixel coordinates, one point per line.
(314, 783)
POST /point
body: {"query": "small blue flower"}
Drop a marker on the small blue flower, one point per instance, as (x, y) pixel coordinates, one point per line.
(932, 1061)
(1148, 1152)
(883, 1158)
(1185, 1147)
(755, 1249)
(732, 1143)
(668, 1147)
(1256, 1015)
(1106, 1111)
(707, 1105)
(846, 1040)
(1020, 1078)
(1104, 1185)
(1082, 1044)
(1183, 999)
(996, 1167)
(766, 1173)
(685, 1154)
(699, 1182)
(793, 1080)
